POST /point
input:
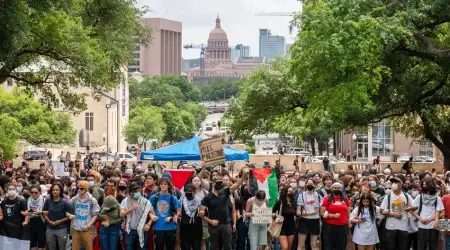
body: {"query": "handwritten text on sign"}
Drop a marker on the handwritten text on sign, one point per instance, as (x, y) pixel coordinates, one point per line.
(211, 151)
(262, 215)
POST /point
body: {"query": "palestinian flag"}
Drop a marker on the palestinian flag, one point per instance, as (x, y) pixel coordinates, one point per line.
(264, 179)
(180, 176)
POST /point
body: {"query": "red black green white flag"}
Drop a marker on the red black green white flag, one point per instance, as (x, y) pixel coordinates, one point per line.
(264, 179)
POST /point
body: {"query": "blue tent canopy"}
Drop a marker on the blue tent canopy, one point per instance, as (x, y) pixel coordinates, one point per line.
(189, 151)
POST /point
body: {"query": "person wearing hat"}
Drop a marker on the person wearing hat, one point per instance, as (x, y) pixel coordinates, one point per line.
(86, 210)
(396, 205)
(111, 221)
(191, 230)
(219, 217)
(137, 211)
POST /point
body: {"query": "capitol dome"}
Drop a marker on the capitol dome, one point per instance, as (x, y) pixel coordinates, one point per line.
(217, 34)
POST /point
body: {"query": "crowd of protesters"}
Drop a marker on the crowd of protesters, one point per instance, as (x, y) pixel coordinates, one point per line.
(116, 207)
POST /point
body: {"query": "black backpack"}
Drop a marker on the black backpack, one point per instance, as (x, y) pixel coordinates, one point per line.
(405, 165)
(421, 203)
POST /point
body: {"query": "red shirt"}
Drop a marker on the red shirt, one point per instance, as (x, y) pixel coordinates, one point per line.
(337, 207)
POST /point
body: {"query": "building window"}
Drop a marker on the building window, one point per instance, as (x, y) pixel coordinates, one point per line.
(381, 139)
(425, 148)
(89, 121)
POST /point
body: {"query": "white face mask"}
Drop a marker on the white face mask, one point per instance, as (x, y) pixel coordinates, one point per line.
(387, 191)
(394, 187)
(293, 185)
(414, 193)
(301, 184)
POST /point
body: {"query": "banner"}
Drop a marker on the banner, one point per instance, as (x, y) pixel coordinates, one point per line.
(262, 215)
(444, 225)
(180, 176)
(58, 168)
(211, 152)
(14, 236)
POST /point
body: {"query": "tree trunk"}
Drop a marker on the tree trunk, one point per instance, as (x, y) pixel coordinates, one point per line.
(3, 78)
(313, 146)
(320, 148)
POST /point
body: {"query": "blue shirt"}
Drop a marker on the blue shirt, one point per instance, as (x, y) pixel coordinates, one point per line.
(163, 210)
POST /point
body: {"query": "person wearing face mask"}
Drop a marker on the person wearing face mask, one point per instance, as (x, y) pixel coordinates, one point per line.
(257, 233)
(35, 205)
(13, 213)
(191, 230)
(429, 206)
(396, 205)
(219, 217)
(137, 210)
(286, 206)
(86, 211)
(308, 204)
(96, 192)
(335, 210)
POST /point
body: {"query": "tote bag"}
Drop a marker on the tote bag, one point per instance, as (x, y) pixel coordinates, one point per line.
(275, 228)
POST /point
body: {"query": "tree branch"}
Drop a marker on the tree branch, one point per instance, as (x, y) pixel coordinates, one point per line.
(27, 81)
(442, 19)
(429, 133)
(432, 91)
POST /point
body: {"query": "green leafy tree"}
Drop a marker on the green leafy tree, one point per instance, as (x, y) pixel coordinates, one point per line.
(146, 122)
(159, 93)
(37, 123)
(198, 111)
(10, 134)
(364, 61)
(42, 41)
(180, 124)
(220, 89)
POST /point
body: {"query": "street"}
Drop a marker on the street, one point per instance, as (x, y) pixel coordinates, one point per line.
(210, 118)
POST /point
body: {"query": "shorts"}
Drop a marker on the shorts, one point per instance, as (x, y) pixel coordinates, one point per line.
(287, 231)
(309, 226)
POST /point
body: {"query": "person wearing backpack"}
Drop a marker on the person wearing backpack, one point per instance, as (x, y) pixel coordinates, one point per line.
(335, 211)
(86, 210)
(429, 207)
(395, 206)
(308, 204)
(168, 211)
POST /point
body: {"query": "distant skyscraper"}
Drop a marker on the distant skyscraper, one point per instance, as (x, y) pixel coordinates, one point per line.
(240, 51)
(189, 64)
(270, 46)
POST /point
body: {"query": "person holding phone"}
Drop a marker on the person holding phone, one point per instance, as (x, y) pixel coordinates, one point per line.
(364, 215)
(35, 205)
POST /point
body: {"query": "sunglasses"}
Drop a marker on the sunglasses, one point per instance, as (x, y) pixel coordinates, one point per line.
(81, 189)
(34, 192)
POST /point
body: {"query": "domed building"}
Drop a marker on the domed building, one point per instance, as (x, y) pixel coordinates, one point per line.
(218, 61)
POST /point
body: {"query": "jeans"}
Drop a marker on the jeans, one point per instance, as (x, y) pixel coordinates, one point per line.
(132, 240)
(109, 237)
(257, 235)
(242, 243)
(427, 239)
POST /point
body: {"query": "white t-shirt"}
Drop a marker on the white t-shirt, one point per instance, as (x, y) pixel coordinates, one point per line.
(366, 232)
(310, 202)
(134, 219)
(428, 208)
(398, 203)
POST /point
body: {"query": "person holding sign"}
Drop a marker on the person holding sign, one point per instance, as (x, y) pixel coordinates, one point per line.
(256, 209)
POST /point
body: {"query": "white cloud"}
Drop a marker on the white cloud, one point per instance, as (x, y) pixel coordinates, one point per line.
(237, 19)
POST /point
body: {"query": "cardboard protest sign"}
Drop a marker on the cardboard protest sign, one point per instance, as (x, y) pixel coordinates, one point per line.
(211, 151)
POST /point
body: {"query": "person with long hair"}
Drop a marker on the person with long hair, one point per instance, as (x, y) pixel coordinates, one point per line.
(287, 207)
(167, 212)
(55, 214)
(308, 204)
(35, 205)
(200, 192)
(335, 211)
(365, 234)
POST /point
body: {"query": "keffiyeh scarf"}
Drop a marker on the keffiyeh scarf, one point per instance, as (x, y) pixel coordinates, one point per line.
(190, 206)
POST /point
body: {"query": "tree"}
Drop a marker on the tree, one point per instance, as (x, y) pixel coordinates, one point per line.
(198, 111)
(364, 61)
(158, 92)
(42, 41)
(220, 89)
(31, 121)
(146, 122)
(179, 124)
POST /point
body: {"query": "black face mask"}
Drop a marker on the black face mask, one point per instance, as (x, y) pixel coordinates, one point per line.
(122, 188)
(310, 187)
(218, 186)
(42, 182)
(26, 196)
(336, 192)
(189, 196)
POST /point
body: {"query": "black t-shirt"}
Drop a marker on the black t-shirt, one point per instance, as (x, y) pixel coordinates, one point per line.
(218, 206)
(12, 208)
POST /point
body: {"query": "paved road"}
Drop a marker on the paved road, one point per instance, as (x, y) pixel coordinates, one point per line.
(270, 139)
(209, 119)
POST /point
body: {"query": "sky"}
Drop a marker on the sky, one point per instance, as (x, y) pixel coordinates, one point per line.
(237, 19)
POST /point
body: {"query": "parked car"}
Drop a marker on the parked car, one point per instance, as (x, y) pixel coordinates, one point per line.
(404, 157)
(33, 155)
(320, 158)
(124, 156)
(267, 146)
(214, 124)
(423, 158)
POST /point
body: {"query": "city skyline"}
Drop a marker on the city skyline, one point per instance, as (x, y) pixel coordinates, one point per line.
(238, 20)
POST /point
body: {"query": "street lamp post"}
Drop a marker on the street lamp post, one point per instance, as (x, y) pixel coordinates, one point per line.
(351, 147)
(108, 105)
